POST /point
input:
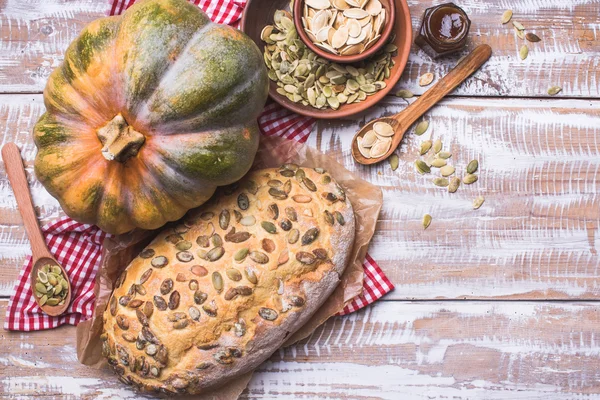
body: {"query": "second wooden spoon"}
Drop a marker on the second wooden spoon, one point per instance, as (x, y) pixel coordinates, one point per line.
(403, 120)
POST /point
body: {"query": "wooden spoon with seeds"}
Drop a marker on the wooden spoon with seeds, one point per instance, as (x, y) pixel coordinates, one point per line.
(403, 120)
(40, 254)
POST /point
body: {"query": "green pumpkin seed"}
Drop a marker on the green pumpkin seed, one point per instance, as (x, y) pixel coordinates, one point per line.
(554, 90)
(340, 218)
(328, 217)
(44, 299)
(184, 256)
(203, 241)
(444, 154)
(404, 93)
(147, 253)
(394, 161)
(478, 202)
(473, 166)
(422, 167)
(251, 276)
(426, 221)
(234, 274)
(215, 253)
(310, 236)
(523, 52)
(217, 281)
(243, 201)
(437, 146)
(310, 185)
(216, 240)
(183, 245)
(442, 182)
(421, 128)
(241, 254)
(469, 179)
(258, 257)
(224, 218)
(291, 213)
(518, 25)
(159, 262)
(41, 288)
(273, 211)
(269, 227)
(42, 277)
(293, 236)
(52, 302)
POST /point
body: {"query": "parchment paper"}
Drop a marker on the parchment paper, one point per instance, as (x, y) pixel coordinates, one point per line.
(366, 200)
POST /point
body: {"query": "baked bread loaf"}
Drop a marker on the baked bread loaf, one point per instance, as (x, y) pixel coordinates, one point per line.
(213, 297)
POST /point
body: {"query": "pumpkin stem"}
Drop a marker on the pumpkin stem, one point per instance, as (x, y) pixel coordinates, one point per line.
(119, 140)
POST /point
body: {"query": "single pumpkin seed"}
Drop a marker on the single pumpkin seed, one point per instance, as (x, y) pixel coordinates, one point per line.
(224, 218)
(532, 37)
(193, 285)
(145, 276)
(243, 202)
(506, 16)
(215, 253)
(210, 309)
(199, 270)
(340, 218)
(166, 286)
(174, 238)
(241, 254)
(422, 167)
(248, 220)
(426, 221)
(42, 277)
(203, 241)
(184, 256)
(194, 313)
(305, 257)
(268, 245)
(273, 211)
(268, 314)
(478, 202)
(217, 281)
(277, 194)
(437, 146)
(293, 236)
(518, 25)
(300, 198)
(122, 320)
(523, 52)
(473, 166)
(291, 213)
(251, 275)
(447, 170)
(44, 299)
(425, 146)
(310, 236)
(234, 274)
(135, 303)
(438, 163)
(442, 182)
(142, 318)
(454, 184)
(426, 79)
(470, 178)
(394, 161)
(444, 154)
(160, 303)
(328, 217)
(159, 262)
(41, 288)
(200, 297)
(404, 93)
(216, 240)
(259, 257)
(554, 90)
(148, 309)
(269, 227)
(174, 300)
(147, 253)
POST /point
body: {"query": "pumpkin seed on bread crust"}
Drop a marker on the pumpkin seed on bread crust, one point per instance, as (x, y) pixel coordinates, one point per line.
(286, 266)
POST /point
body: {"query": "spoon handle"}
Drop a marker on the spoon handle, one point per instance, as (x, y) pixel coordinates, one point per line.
(448, 83)
(16, 175)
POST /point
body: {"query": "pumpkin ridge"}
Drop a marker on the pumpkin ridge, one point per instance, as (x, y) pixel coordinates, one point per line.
(179, 126)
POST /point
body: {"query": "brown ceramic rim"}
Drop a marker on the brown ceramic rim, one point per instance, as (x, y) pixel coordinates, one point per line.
(390, 10)
(403, 30)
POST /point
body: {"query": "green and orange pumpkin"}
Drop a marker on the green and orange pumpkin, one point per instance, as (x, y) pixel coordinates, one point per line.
(149, 113)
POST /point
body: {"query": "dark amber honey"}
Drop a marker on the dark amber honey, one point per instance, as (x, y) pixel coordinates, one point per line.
(444, 30)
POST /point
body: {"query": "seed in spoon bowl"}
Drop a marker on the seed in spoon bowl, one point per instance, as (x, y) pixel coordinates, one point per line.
(369, 139)
(380, 148)
(383, 129)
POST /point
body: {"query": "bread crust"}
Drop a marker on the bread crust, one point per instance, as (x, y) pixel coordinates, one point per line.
(209, 314)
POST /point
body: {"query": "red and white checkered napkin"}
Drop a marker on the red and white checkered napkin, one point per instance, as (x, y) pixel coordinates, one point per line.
(77, 247)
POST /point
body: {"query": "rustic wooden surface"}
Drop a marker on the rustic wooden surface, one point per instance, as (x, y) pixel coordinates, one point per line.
(506, 297)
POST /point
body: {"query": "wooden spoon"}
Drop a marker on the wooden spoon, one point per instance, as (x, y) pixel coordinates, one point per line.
(39, 252)
(403, 120)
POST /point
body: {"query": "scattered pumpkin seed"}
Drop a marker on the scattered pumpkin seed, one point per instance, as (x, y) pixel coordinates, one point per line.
(447, 170)
(523, 52)
(473, 166)
(469, 179)
(405, 94)
(554, 90)
(438, 163)
(441, 182)
(267, 313)
(444, 154)
(520, 34)
(426, 221)
(426, 79)
(518, 25)
(421, 127)
(422, 167)
(532, 37)
(506, 16)
(394, 161)
(425, 146)
(437, 146)
(478, 202)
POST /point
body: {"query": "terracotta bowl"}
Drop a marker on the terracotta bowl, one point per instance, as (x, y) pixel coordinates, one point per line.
(259, 13)
(388, 27)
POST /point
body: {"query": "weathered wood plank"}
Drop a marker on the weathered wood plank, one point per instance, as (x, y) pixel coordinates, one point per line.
(460, 350)
(36, 33)
(535, 237)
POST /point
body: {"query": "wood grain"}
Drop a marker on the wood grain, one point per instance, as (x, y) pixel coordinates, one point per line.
(537, 234)
(535, 237)
(36, 32)
(461, 350)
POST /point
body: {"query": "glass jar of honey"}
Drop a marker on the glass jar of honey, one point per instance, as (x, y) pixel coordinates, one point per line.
(444, 30)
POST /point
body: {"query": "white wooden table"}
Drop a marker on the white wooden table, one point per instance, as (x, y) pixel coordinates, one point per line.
(499, 303)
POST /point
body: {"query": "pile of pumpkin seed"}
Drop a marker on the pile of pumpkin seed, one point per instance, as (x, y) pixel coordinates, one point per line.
(303, 77)
(51, 288)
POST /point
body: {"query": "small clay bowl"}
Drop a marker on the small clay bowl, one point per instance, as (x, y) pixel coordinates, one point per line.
(259, 13)
(388, 27)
